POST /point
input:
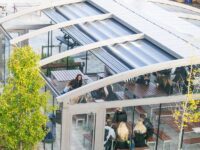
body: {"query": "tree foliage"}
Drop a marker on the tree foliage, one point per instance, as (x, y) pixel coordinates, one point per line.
(21, 103)
(189, 108)
(189, 111)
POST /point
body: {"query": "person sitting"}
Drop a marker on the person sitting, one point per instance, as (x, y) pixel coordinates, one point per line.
(77, 82)
(180, 75)
(101, 93)
(111, 96)
(140, 134)
(146, 79)
(82, 99)
(98, 94)
(122, 141)
(149, 126)
(67, 88)
(168, 86)
(108, 118)
(119, 116)
(109, 136)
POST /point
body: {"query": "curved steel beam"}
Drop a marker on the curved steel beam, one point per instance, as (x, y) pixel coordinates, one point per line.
(90, 107)
(127, 75)
(91, 46)
(167, 2)
(60, 25)
(38, 8)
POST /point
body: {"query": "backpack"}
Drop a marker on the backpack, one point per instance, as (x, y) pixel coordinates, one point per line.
(149, 127)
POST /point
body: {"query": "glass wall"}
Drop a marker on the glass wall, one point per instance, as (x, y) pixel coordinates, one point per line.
(147, 125)
(2, 63)
(83, 131)
(4, 55)
(151, 100)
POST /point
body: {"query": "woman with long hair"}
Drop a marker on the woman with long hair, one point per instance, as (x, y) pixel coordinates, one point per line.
(140, 134)
(77, 82)
(123, 134)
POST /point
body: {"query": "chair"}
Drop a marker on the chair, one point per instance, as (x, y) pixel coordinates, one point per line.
(79, 119)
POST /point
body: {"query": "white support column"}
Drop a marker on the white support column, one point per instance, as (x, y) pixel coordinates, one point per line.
(66, 128)
(127, 75)
(60, 25)
(99, 130)
(91, 46)
(38, 8)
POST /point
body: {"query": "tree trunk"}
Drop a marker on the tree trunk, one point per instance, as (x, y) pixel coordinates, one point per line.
(21, 146)
(184, 111)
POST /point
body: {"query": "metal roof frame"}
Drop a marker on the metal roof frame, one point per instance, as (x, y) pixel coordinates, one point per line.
(168, 41)
(128, 102)
(60, 25)
(91, 46)
(127, 75)
(100, 53)
(5, 33)
(38, 8)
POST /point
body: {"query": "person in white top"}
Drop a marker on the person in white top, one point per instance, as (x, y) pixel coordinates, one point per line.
(109, 137)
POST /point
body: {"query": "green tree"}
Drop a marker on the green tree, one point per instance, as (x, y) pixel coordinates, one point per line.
(22, 103)
(188, 111)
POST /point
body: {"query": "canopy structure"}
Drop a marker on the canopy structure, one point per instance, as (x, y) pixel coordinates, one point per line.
(127, 41)
(122, 41)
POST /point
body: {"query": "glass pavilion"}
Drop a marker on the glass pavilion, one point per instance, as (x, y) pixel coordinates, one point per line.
(127, 44)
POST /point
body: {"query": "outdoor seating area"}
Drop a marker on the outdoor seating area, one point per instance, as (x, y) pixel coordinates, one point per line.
(135, 89)
(62, 77)
(84, 126)
(166, 134)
